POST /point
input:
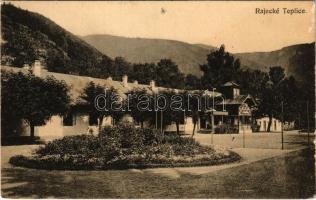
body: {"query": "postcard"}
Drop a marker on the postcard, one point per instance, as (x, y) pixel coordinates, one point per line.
(158, 99)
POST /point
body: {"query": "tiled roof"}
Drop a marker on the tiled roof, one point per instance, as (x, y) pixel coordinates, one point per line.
(78, 83)
(230, 83)
(240, 99)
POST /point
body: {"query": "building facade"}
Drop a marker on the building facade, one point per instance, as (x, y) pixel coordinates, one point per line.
(239, 106)
(233, 110)
(276, 125)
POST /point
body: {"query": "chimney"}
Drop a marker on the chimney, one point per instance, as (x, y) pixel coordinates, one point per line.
(136, 82)
(152, 85)
(236, 92)
(109, 78)
(37, 68)
(26, 67)
(125, 80)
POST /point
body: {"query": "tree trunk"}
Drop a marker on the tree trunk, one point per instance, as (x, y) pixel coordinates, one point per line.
(142, 124)
(195, 118)
(177, 125)
(269, 124)
(100, 124)
(194, 125)
(32, 131)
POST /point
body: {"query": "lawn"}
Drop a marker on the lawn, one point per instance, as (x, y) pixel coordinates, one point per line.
(123, 147)
(277, 177)
(292, 140)
(262, 173)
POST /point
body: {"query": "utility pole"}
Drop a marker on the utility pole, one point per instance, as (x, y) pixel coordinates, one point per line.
(307, 111)
(282, 125)
(213, 128)
(156, 113)
(161, 119)
(243, 131)
(156, 119)
(213, 98)
(213, 110)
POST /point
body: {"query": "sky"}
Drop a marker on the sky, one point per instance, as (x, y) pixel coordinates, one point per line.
(232, 23)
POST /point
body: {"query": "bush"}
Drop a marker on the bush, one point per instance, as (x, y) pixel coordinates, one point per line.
(185, 145)
(151, 137)
(223, 128)
(119, 147)
(130, 137)
(255, 127)
(177, 139)
(20, 140)
(226, 128)
(79, 144)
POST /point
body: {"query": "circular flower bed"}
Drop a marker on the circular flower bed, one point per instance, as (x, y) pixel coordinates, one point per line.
(123, 147)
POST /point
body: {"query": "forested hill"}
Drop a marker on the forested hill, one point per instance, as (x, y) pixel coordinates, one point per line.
(27, 36)
(297, 60)
(188, 57)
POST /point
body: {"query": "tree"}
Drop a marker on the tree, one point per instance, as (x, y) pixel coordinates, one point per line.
(174, 110)
(143, 73)
(99, 102)
(29, 36)
(278, 89)
(192, 82)
(56, 61)
(194, 102)
(253, 82)
(168, 74)
(302, 67)
(30, 98)
(105, 67)
(276, 76)
(120, 67)
(220, 68)
(291, 99)
(139, 115)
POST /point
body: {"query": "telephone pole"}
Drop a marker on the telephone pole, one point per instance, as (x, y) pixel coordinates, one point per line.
(243, 131)
(282, 125)
(307, 112)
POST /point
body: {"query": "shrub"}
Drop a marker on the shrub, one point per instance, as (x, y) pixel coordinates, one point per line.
(131, 137)
(185, 145)
(176, 139)
(255, 127)
(223, 128)
(226, 128)
(121, 146)
(151, 136)
(20, 140)
(79, 144)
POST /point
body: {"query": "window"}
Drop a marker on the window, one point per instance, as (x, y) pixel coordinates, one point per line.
(93, 120)
(236, 92)
(69, 120)
(264, 125)
(275, 125)
(137, 123)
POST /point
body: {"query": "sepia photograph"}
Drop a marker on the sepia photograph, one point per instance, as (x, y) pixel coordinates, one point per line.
(158, 99)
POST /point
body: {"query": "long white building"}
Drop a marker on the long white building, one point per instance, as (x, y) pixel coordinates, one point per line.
(236, 110)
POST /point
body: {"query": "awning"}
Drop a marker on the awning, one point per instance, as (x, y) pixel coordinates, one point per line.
(214, 112)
